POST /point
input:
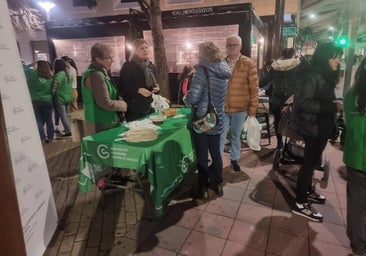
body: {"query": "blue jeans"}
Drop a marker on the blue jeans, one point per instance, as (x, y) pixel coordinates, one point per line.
(56, 115)
(43, 113)
(205, 143)
(62, 110)
(235, 121)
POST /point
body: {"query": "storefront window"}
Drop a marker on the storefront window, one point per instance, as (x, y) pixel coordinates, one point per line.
(181, 44)
(79, 50)
(40, 50)
(257, 47)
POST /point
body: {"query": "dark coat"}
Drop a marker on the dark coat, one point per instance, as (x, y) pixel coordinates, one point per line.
(314, 105)
(131, 79)
(283, 83)
(219, 72)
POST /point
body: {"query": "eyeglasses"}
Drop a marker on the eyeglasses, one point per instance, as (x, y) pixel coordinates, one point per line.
(232, 45)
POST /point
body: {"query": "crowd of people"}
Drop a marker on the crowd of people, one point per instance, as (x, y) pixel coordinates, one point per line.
(231, 83)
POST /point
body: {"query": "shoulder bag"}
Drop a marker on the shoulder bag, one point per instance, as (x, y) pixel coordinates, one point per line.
(210, 119)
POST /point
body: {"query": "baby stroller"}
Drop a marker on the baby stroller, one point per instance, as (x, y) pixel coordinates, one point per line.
(294, 147)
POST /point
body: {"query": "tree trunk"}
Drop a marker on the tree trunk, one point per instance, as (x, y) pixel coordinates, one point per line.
(159, 48)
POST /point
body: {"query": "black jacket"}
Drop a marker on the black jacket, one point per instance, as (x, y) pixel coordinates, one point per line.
(313, 104)
(283, 83)
(131, 79)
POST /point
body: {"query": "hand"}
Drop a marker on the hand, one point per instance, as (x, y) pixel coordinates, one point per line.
(156, 88)
(285, 108)
(123, 106)
(145, 92)
(290, 100)
(339, 105)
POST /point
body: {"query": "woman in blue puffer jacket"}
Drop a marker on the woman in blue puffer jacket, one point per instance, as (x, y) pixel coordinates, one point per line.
(209, 58)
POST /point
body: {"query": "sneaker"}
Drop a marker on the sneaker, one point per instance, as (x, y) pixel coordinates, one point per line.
(66, 134)
(218, 190)
(235, 166)
(316, 198)
(307, 211)
(202, 193)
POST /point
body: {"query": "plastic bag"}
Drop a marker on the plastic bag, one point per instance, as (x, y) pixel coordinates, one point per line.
(253, 133)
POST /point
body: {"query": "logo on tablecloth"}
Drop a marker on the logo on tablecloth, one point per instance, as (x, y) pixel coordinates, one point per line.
(103, 151)
(188, 162)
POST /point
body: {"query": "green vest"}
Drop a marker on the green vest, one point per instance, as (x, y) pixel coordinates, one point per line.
(93, 113)
(354, 150)
(64, 90)
(39, 88)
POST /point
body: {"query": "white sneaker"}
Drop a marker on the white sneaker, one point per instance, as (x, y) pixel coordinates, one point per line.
(307, 211)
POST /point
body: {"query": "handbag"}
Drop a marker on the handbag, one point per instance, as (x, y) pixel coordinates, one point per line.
(210, 119)
(288, 125)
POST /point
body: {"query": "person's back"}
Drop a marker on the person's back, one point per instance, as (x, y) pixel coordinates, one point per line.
(62, 93)
(72, 68)
(282, 86)
(39, 87)
(64, 90)
(283, 82)
(184, 80)
(218, 74)
(208, 140)
(355, 118)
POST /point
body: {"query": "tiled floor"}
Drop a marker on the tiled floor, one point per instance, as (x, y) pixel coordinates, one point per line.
(252, 218)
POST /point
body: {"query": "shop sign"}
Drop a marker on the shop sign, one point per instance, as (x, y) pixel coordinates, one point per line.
(289, 31)
(192, 11)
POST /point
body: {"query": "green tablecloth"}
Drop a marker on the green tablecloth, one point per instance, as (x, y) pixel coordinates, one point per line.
(165, 160)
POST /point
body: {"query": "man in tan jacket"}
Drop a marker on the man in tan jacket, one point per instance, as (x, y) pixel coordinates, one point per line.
(241, 96)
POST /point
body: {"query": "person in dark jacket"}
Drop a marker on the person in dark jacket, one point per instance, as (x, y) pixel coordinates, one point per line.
(282, 86)
(218, 71)
(183, 81)
(354, 159)
(137, 82)
(315, 107)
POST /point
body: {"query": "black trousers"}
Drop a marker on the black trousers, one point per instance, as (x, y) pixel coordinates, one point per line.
(205, 143)
(356, 210)
(314, 148)
(276, 119)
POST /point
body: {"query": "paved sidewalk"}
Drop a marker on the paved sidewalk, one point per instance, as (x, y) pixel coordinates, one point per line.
(252, 218)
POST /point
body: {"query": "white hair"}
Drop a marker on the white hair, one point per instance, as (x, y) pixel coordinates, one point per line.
(238, 38)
